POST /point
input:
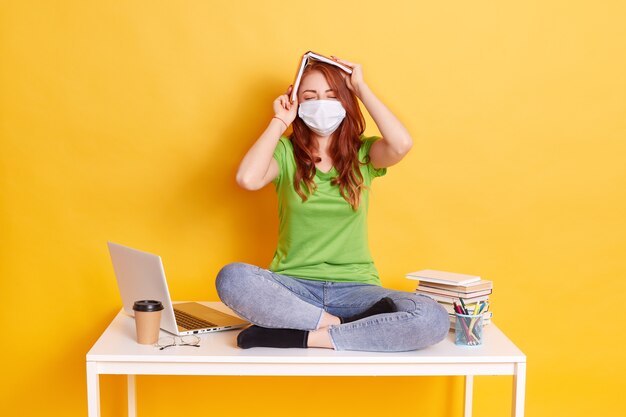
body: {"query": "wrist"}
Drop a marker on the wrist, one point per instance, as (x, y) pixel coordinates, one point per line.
(280, 121)
(363, 91)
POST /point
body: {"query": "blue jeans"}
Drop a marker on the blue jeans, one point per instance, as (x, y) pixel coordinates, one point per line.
(272, 300)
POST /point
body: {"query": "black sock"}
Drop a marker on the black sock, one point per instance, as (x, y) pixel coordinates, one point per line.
(384, 305)
(255, 336)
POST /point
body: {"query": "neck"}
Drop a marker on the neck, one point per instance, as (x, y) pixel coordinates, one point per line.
(322, 142)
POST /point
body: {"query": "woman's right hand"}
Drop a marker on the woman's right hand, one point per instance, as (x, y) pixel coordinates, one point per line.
(284, 109)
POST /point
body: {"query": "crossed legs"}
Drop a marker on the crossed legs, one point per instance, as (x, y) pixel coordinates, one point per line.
(344, 316)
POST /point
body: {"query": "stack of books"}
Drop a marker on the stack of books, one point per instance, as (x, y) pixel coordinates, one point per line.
(448, 288)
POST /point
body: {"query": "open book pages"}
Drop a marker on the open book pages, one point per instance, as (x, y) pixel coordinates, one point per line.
(303, 63)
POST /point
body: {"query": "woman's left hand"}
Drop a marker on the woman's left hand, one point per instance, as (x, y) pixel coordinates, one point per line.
(355, 82)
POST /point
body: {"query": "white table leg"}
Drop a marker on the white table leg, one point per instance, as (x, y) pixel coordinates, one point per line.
(132, 399)
(469, 392)
(519, 389)
(93, 390)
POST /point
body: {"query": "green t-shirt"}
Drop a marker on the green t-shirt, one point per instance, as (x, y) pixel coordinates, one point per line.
(323, 238)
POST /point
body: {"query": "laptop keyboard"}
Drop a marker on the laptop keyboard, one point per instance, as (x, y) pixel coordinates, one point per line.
(190, 322)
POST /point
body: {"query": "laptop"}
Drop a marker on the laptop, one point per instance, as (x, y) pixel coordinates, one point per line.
(140, 276)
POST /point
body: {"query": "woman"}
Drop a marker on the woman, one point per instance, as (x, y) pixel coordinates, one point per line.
(322, 288)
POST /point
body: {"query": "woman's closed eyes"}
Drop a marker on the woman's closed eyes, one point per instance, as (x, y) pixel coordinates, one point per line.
(313, 95)
(315, 98)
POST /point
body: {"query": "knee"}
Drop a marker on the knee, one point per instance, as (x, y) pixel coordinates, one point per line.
(431, 322)
(440, 320)
(231, 279)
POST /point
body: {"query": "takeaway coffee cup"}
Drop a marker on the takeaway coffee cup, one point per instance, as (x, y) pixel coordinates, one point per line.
(147, 320)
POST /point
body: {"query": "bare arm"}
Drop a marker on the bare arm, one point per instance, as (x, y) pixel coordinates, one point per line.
(396, 141)
(258, 167)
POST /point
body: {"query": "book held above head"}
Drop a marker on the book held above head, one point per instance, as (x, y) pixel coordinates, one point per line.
(303, 63)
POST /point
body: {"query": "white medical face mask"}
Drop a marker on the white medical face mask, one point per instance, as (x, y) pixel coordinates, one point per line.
(322, 116)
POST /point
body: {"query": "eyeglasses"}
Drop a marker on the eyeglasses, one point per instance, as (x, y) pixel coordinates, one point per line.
(170, 341)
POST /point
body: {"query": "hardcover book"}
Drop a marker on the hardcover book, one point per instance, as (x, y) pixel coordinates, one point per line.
(442, 277)
(303, 63)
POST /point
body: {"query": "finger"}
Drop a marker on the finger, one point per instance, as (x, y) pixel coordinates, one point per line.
(344, 62)
(289, 90)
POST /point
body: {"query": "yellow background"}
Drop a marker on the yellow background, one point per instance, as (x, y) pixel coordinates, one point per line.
(126, 121)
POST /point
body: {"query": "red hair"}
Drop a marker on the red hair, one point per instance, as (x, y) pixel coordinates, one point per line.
(343, 147)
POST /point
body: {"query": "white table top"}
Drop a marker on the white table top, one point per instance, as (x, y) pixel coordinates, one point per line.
(118, 344)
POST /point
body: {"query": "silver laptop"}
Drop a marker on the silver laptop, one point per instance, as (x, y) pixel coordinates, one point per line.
(140, 276)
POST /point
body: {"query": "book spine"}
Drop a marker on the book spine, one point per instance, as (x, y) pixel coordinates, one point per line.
(452, 299)
(478, 286)
(449, 293)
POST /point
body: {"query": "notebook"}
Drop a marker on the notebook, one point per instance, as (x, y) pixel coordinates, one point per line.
(304, 61)
(442, 277)
(140, 276)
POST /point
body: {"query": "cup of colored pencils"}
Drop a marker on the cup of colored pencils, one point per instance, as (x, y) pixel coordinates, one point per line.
(469, 324)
